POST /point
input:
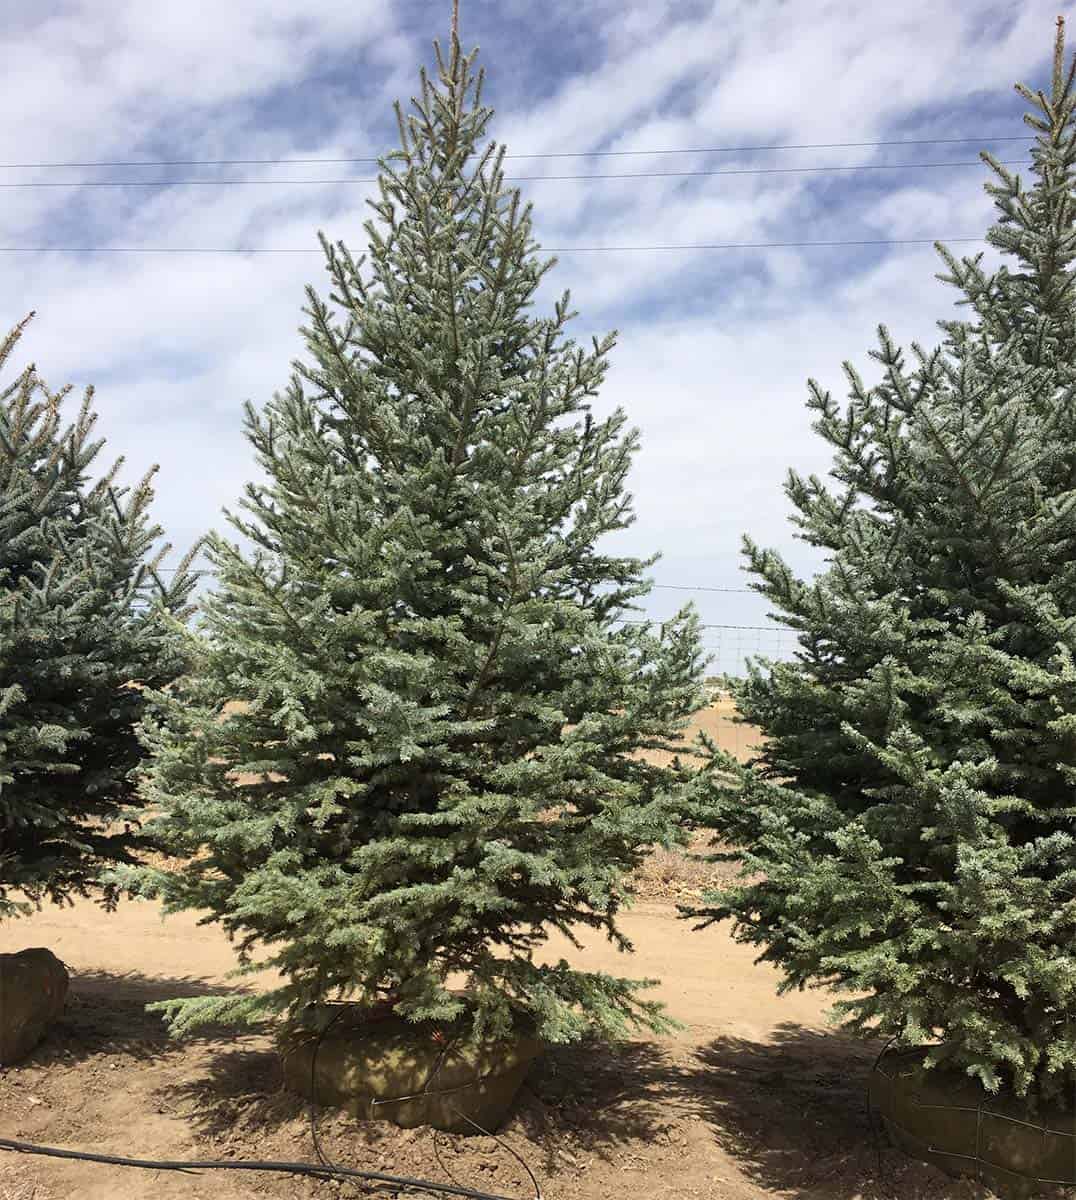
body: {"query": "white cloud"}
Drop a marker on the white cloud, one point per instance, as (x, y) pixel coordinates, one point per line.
(715, 346)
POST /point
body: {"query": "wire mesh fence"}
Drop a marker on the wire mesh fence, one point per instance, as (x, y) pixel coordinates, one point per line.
(727, 645)
(730, 646)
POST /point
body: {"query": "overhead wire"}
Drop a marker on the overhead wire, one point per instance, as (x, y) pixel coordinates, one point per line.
(258, 162)
(688, 247)
(566, 154)
(686, 587)
(743, 637)
(162, 183)
(679, 587)
(675, 587)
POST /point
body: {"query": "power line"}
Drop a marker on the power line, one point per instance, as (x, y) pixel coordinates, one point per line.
(259, 162)
(675, 587)
(777, 629)
(160, 183)
(678, 587)
(544, 249)
(684, 587)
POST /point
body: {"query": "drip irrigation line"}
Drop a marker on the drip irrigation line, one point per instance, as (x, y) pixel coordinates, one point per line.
(875, 1137)
(325, 1162)
(238, 1164)
(323, 1169)
(504, 1146)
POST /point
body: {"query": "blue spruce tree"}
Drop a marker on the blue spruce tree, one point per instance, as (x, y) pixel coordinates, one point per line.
(908, 829)
(438, 694)
(83, 617)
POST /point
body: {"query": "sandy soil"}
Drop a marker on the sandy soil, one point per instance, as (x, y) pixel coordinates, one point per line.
(754, 1099)
(682, 875)
(719, 721)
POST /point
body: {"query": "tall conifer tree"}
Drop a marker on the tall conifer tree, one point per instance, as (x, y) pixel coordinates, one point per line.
(83, 616)
(909, 825)
(441, 701)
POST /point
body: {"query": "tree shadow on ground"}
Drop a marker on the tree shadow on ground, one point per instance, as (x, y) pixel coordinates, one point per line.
(583, 1100)
(790, 1112)
(600, 1101)
(240, 1089)
(106, 1013)
(793, 1113)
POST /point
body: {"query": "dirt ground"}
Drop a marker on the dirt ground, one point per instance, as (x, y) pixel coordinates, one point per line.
(753, 1100)
(719, 721)
(683, 875)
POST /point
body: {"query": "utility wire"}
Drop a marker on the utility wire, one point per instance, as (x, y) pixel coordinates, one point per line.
(626, 620)
(161, 183)
(690, 246)
(261, 162)
(686, 587)
(669, 587)
(758, 628)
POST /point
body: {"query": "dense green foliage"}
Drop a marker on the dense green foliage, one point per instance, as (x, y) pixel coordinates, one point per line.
(433, 758)
(908, 826)
(83, 615)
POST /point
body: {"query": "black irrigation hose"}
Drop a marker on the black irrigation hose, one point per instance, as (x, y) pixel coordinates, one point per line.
(325, 1162)
(870, 1110)
(324, 1169)
(875, 1137)
(504, 1146)
(225, 1164)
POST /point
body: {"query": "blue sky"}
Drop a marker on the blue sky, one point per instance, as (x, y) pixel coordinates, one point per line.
(715, 346)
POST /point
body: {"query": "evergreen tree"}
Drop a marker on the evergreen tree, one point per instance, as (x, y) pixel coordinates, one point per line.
(83, 616)
(908, 825)
(440, 701)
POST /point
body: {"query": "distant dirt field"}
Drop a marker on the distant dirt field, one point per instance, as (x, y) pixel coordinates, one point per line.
(679, 875)
(719, 721)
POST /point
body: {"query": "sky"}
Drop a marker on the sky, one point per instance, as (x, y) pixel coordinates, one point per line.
(715, 346)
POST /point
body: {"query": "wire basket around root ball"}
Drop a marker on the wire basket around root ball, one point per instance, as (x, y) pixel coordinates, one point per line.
(948, 1119)
(385, 1068)
(33, 989)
